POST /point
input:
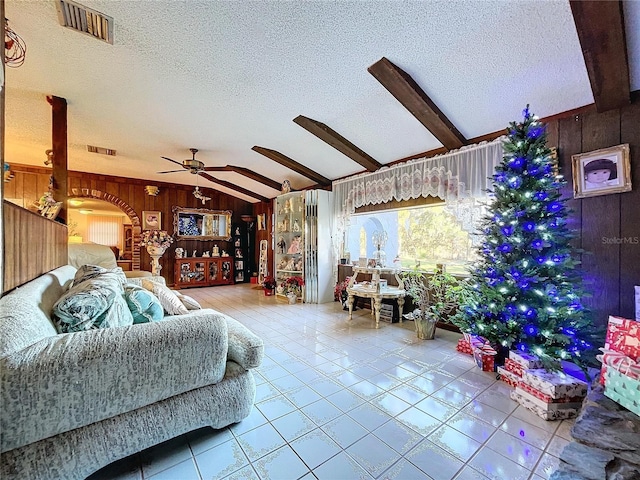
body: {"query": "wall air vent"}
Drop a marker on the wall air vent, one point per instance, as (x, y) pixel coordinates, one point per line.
(85, 20)
(101, 150)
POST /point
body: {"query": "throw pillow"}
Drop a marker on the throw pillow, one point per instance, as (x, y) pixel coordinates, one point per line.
(187, 301)
(168, 299)
(144, 305)
(94, 303)
(87, 272)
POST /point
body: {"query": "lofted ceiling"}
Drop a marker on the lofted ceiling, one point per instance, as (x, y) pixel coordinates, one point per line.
(274, 90)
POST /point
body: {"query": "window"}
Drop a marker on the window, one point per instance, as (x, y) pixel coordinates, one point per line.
(425, 234)
(105, 230)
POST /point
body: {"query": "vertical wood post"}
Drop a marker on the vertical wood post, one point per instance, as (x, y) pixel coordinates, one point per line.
(2, 150)
(59, 145)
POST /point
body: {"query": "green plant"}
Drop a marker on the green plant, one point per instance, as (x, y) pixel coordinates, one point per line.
(439, 296)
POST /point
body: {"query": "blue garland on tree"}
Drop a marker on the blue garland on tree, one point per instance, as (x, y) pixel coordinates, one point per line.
(527, 285)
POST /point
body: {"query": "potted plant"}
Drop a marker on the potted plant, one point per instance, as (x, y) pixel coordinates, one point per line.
(437, 298)
(292, 288)
(269, 285)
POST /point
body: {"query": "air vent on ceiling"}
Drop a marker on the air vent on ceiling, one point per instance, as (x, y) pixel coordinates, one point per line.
(102, 150)
(85, 20)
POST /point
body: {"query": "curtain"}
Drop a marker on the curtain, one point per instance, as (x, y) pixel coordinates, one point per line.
(105, 230)
(461, 178)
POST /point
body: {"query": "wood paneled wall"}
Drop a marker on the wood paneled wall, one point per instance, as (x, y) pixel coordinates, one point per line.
(608, 226)
(25, 257)
(31, 182)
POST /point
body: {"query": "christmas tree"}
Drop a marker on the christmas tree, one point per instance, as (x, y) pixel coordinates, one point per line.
(527, 285)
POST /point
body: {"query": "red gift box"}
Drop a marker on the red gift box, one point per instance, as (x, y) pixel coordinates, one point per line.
(485, 356)
(513, 367)
(508, 377)
(464, 347)
(623, 336)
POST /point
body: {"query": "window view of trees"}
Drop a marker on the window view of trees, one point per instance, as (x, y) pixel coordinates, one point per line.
(432, 236)
(428, 235)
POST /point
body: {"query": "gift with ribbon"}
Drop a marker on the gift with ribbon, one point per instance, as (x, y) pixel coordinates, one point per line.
(513, 367)
(484, 356)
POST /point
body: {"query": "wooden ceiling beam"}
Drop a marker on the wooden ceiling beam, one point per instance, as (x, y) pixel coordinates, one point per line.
(292, 165)
(337, 141)
(413, 98)
(247, 173)
(600, 27)
(233, 187)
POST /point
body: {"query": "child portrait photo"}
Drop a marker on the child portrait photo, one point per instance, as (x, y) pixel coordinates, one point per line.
(601, 172)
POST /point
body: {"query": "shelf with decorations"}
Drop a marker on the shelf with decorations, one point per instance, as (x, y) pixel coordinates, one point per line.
(289, 248)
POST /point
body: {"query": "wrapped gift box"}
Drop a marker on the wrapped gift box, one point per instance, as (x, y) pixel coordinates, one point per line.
(527, 360)
(554, 384)
(485, 358)
(508, 377)
(623, 336)
(561, 414)
(513, 367)
(548, 405)
(464, 347)
(545, 398)
(623, 389)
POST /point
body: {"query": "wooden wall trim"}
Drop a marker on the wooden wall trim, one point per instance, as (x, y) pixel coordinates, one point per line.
(24, 257)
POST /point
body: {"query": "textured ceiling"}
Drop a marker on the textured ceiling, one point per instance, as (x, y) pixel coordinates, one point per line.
(225, 76)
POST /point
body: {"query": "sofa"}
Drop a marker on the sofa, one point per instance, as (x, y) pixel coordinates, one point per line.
(75, 402)
(95, 254)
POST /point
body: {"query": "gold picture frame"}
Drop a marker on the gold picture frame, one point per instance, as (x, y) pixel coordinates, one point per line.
(601, 172)
(151, 220)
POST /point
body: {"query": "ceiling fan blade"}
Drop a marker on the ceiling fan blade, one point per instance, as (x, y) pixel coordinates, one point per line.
(172, 171)
(177, 163)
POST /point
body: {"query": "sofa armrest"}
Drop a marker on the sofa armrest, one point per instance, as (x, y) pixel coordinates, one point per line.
(71, 380)
(245, 347)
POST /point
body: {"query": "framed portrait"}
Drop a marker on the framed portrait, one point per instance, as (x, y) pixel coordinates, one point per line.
(151, 220)
(601, 172)
(51, 211)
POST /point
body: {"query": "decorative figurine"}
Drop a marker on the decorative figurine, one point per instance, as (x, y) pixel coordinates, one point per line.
(296, 226)
(206, 254)
(224, 253)
(281, 245)
(195, 253)
(215, 251)
(179, 252)
(295, 245)
(286, 186)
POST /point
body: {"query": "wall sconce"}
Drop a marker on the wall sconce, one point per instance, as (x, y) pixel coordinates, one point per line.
(152, 190)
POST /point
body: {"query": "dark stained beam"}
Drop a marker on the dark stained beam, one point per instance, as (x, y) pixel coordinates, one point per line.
(292, 165)
(600, 27)
(337, 141)
(236, 188)
(59, 146)
(247, 173)
(413, 98)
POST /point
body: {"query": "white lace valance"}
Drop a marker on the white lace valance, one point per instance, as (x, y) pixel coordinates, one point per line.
(461, 178)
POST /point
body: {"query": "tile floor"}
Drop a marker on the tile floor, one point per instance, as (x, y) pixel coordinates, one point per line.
(346, 401)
